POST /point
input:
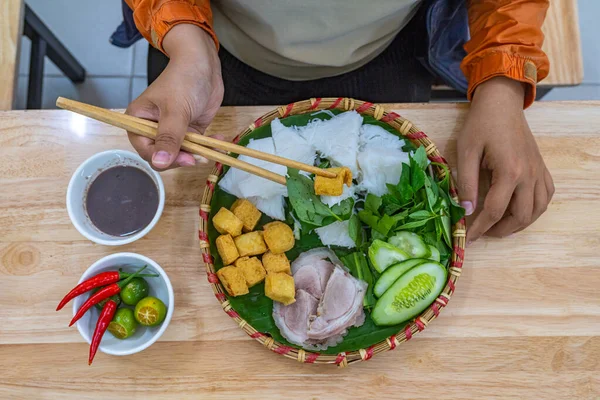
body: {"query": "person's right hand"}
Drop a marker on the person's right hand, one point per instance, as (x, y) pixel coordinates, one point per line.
(185, 97)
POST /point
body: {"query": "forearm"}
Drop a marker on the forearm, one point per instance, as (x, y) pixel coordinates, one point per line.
(506, 40)
(155, 18)
(187, 42)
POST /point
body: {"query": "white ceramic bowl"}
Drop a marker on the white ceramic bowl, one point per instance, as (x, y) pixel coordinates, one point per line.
(82, 179)
(160, 287)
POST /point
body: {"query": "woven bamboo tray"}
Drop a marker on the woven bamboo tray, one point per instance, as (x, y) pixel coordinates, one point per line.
(408, 131)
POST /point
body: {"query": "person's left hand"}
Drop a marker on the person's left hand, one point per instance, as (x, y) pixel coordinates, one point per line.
(496, 137)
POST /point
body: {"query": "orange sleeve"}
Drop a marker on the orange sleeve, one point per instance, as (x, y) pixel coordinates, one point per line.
(506, 40)
(154, 18)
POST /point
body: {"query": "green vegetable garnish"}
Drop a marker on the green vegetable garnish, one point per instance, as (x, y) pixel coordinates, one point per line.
(308, 206)
(359, 267)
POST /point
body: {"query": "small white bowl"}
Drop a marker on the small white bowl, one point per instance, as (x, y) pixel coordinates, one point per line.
(144, 336)
(85, 175)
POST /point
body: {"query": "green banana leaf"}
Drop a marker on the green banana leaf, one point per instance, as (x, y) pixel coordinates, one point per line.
(255, 307)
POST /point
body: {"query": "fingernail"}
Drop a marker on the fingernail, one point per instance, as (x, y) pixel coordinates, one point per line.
(161, 159)
(468, 206)
(187, 163)
(469, 242)
(200, 159)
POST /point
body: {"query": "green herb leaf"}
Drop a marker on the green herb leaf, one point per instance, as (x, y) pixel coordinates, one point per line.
(429, 238)
(420, 214)
(385, 224)
(324, 164)
(420, 157)
(412, 225)
(404, 188)
(431, 193)
(376, 235)
(400, 216)
(417, 177)
(372, 203)
(456, 211)
(344, 209)
(355, 230)
(391, 204)
(434, 186)
(368, 218)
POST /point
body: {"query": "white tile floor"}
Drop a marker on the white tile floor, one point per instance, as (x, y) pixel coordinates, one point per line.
(116, 76)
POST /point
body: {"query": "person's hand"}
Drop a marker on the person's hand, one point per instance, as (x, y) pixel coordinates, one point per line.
(496, 137)
(185, 97)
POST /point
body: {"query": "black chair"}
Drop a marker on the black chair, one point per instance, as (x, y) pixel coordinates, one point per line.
(45, 43)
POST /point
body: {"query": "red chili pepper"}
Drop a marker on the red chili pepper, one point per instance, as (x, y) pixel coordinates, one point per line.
(106, 316)
(102, 294)
(102, 279)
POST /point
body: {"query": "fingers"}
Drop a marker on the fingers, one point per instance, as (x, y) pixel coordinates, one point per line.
(494, 207)
(549, 185)
(143, 145)
(468, 178)
(171, 131)
(146, 147)
(519, 213)
(541, 200)
(185, 159)
(142, 108)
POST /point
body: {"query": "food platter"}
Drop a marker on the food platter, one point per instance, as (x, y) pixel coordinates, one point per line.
(253, 311)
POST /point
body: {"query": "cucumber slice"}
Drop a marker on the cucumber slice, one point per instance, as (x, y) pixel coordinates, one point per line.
(394, 272)
(412, 293)
(435, 253)
(411, 243)
(383, 254)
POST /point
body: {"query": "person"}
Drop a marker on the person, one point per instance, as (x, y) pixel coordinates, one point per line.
(266, 52)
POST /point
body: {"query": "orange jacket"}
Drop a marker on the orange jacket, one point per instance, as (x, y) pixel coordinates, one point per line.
(506, 36)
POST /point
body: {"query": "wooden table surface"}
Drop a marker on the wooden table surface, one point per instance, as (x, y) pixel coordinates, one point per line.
(524, 322)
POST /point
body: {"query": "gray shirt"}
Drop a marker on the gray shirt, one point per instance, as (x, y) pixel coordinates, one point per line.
(309, 39)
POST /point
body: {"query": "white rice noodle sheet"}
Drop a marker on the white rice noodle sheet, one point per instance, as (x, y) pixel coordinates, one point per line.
(266, 195)
(254, 186)
(273, 206)
(380, 166)
(331, 201)
(289, 144)
(336, 234)
(336, 139)
(374, 135)
(380, 159)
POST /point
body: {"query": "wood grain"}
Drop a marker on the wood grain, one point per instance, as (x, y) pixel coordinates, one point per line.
(562, 44)
(523, 323)
(11, 19)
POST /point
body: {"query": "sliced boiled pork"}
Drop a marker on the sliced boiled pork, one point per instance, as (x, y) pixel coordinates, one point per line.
(292, 320)
(328, 302)
(340, 307)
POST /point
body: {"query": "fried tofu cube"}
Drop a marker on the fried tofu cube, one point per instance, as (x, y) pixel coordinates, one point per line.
(247, 213)
(226, 222)
(227, 249)
(280, 287)
(250, 244)
(276, 263)
(333, 186)
(252, 269)
(279, 237)
(233, 280)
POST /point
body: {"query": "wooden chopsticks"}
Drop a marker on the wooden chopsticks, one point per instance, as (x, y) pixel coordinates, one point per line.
(193, 142)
